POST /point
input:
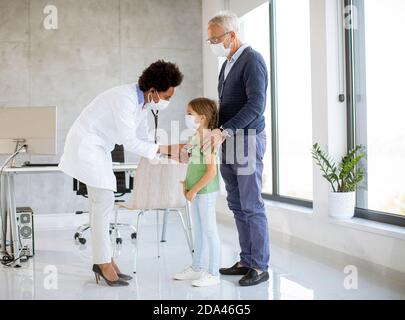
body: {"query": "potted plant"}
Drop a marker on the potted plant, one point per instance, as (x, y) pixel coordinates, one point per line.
(343, 178)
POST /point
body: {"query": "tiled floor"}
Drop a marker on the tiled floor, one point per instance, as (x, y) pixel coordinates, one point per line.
(297, 271)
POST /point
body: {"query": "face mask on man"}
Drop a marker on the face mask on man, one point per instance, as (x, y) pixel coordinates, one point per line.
(156, 106)
(191, 122)
(219, 49)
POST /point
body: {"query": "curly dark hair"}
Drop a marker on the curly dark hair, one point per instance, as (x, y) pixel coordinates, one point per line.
(160, 75)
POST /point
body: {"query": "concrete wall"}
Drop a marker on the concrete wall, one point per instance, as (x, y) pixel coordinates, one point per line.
(98, 44)
(210, 61)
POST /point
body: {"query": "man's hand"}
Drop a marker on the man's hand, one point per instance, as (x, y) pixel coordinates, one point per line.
(212, 139)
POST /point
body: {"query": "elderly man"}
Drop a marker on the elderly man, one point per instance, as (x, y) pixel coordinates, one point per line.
(242, 89)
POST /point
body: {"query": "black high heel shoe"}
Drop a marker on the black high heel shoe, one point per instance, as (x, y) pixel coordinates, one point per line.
(117, 283)
(124, 276)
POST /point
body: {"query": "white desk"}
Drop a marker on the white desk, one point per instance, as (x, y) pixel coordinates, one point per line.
(18, 170)
(7, 198)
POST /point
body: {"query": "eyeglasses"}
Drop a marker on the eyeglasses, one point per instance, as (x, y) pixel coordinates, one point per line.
(216, 40)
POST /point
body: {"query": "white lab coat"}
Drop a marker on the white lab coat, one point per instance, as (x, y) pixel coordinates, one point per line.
(113, 117)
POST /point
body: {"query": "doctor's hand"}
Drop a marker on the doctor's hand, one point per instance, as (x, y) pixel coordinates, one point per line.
(172, 151)
(212, 139)
(182, 156)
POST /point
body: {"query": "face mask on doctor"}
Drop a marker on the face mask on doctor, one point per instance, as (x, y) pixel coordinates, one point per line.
(156, 106)
(219, 49)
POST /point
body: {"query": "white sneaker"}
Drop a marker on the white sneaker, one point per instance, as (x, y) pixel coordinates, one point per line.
(206, 280)
(188, 274)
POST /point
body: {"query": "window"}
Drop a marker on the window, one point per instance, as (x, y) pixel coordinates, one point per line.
(254, 27)
(376, 69)
(294, 103)
(280, 31)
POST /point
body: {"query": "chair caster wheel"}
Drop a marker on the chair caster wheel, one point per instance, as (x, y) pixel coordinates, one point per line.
(77, 234)
(119, 240)
(82, 240)
(7, 258)
(133, 235)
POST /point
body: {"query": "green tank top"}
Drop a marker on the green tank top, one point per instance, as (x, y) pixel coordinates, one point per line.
(197, 167)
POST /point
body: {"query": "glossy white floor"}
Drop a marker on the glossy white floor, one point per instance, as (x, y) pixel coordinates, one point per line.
(298, 270)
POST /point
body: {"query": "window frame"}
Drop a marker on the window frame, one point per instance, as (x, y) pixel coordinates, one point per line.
(351, 79)
(275, 195)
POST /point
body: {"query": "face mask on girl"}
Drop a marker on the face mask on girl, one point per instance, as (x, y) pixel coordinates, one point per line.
(191, 122)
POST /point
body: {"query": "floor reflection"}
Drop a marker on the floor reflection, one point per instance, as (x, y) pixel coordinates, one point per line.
(292, 274)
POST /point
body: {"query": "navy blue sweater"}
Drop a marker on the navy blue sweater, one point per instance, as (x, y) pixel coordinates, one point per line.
(242, 96)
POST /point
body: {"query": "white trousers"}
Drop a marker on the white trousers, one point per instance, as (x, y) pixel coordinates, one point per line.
(101, 206)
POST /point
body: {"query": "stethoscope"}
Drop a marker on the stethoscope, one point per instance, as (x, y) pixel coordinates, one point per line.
(156, 117)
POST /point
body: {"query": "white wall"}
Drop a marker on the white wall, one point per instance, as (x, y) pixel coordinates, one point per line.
(242, 7)
(210, 61)
(370, 241)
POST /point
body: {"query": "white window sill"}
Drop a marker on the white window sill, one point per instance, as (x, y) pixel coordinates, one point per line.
(373, 227)
(289, 208)
(355, 223)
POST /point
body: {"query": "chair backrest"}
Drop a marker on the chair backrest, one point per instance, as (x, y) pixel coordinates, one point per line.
(118, 155)
(157, 185)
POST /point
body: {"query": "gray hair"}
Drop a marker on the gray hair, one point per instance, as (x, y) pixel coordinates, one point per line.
(226, 19)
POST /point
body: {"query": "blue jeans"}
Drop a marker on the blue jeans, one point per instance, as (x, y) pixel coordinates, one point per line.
(243, 182)
(205, 228)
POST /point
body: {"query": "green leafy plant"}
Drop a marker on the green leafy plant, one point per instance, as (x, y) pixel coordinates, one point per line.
(345, 176)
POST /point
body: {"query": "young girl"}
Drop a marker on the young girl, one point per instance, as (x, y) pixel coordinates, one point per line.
(201, 188)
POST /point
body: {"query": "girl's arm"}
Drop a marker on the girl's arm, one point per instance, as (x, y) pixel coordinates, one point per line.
(206, 178)
(184, 187)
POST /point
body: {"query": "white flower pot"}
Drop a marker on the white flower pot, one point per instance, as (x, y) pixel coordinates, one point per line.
(341, 205)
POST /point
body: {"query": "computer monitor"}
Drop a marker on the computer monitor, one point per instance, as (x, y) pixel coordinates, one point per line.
(34, 126)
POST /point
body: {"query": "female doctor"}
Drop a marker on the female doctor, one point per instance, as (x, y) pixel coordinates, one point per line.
(117, 116)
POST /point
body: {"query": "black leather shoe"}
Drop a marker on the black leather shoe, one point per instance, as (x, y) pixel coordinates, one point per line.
(235, 270)
(253, 278)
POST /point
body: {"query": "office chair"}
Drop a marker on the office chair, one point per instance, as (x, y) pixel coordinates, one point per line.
(117, 156)
(157, 187)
